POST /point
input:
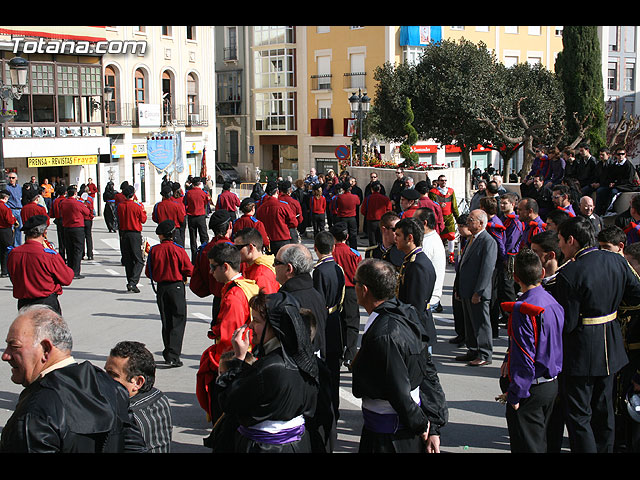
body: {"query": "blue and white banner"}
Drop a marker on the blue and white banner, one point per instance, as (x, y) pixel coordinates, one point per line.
(161, 153)
(420, 36)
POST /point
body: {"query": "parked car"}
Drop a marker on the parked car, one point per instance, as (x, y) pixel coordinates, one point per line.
(226, 173)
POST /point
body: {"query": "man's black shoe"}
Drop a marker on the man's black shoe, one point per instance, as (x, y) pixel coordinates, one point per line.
(174, 363)
(467, 357)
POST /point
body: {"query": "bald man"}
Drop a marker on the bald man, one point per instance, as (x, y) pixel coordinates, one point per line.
(587, 208)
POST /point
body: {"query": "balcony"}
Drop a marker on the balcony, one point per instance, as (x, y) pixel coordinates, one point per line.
(126, 115)
(321, 82)
(322, 127)
(354, 80)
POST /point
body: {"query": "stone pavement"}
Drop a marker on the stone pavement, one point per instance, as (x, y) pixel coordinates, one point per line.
(101, 312)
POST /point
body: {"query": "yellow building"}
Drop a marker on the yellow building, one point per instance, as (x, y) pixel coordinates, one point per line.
(336, 61)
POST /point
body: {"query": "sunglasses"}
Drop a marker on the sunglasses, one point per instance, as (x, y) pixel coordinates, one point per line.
(277, 262)
(241, 245)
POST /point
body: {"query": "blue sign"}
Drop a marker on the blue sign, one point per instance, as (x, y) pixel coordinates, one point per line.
(160, 153)
(342, 152)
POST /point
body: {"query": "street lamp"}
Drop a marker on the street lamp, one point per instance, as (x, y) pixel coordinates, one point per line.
(18, 68)
(359, 109)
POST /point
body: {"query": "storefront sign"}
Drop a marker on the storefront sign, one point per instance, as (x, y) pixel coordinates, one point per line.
(63, 161)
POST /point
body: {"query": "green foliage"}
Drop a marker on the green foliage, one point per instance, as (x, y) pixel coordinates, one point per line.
(410, 158)
(579, 66)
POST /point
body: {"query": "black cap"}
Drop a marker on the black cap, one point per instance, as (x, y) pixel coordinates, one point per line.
(410, 194)
(219, 217)
(128, 191)
(34, 221)
(339, 227)
(166, 191)
(166, 228)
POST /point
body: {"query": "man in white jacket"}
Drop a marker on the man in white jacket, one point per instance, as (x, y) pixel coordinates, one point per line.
(433, 248)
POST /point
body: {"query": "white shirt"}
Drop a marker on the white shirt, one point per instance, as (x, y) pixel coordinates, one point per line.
(433, 248)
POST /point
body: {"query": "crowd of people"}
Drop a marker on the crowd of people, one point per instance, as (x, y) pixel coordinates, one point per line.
(284, 323)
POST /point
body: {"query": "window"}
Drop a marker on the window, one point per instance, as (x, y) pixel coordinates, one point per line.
(323, 29)
(43, 91)
(192, 94)
(510, 61)
(482, 28)
(629, 39)
(324, 109)
(270, 35)
(140, 87)
(111, 80)
(274, 68)
(191, 32)
(612, 76)
(629, 76)
(411, 54)
(275, 111)
(535, 30)
(511, 29)
(458, 27)
(614, 45)
(229, 88)
(231, 43)
(166, 31)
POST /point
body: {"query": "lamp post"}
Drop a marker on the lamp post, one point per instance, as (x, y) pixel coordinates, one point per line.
(18, 68)
(359, 109)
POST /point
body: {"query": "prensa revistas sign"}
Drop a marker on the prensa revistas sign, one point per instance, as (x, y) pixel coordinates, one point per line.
(62, 161)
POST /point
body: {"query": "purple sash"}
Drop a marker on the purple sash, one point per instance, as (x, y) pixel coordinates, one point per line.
(381, 422)
(280, 438)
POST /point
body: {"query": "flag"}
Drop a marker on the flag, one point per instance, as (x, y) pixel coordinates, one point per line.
(203, 168)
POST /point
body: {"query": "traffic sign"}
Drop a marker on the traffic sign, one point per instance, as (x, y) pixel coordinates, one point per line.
(342, 152)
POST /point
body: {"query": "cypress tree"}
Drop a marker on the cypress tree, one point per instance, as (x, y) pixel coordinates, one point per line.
(579, 67)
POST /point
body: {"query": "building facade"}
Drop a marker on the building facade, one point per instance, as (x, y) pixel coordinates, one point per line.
(166, 93)
(233, 99)
(58, 132)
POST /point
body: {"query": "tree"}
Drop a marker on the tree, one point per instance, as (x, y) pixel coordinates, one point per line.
(526, 109)
(410, 158)
(452, 85)
(580, 69)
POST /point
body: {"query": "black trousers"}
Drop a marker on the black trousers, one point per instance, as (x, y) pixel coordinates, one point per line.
(60, 233)
(590, 414)
(6, 240)
(179, 236)
(373, 232)
(317, 221)
(197, 225)
(51, 301)
(88, 239)
(74, 245)
(528, 425)
(350, 323)
(274, 246)
(131, 245)
(172, 304)
(352, 227)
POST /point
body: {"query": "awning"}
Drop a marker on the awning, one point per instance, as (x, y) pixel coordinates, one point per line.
(73, 32)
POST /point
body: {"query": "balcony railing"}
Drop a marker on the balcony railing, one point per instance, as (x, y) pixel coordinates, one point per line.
(321, 82)
(355, 80)
(126, 115)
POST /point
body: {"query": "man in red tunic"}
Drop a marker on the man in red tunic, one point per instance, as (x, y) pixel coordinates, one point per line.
(278, 218)
(224, 261)
(256, 265)
(202, 282)
(196, 201)
(373, 207)
(74, 211)
(169, 266)
(346, 210)
(248, 220)
(37, 272)
(348, 258)
(228, 200)
(7, 222)
(168, 209)
(131, 216)
(446, 197)
(284, 195)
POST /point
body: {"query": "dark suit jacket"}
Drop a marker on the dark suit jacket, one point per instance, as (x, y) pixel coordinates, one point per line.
(476, 267)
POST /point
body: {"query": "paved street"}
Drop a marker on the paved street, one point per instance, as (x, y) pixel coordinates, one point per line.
(101, 312)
